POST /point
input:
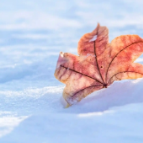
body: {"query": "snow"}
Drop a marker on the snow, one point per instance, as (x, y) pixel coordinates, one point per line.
(32, 34)
(93, 39)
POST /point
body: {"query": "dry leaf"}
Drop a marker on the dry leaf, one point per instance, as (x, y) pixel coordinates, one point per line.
(99, 63)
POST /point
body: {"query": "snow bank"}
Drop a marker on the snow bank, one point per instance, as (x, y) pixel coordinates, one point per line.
(110, 115)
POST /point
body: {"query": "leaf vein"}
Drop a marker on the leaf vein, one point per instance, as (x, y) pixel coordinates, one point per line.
(81, 73)
(118, 54)
(124, 72)
(97, 63)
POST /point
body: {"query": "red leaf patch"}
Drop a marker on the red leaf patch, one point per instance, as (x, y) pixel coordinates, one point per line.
(99, 63)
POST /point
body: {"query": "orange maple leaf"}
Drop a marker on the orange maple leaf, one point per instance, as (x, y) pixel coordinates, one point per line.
(99, 63)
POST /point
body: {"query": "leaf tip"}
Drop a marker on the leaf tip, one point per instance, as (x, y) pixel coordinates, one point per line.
(64, 103)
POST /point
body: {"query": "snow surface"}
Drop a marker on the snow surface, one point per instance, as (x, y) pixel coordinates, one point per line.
(32, 33)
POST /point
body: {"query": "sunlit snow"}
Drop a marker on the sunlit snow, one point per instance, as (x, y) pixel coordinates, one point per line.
(32, 34)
